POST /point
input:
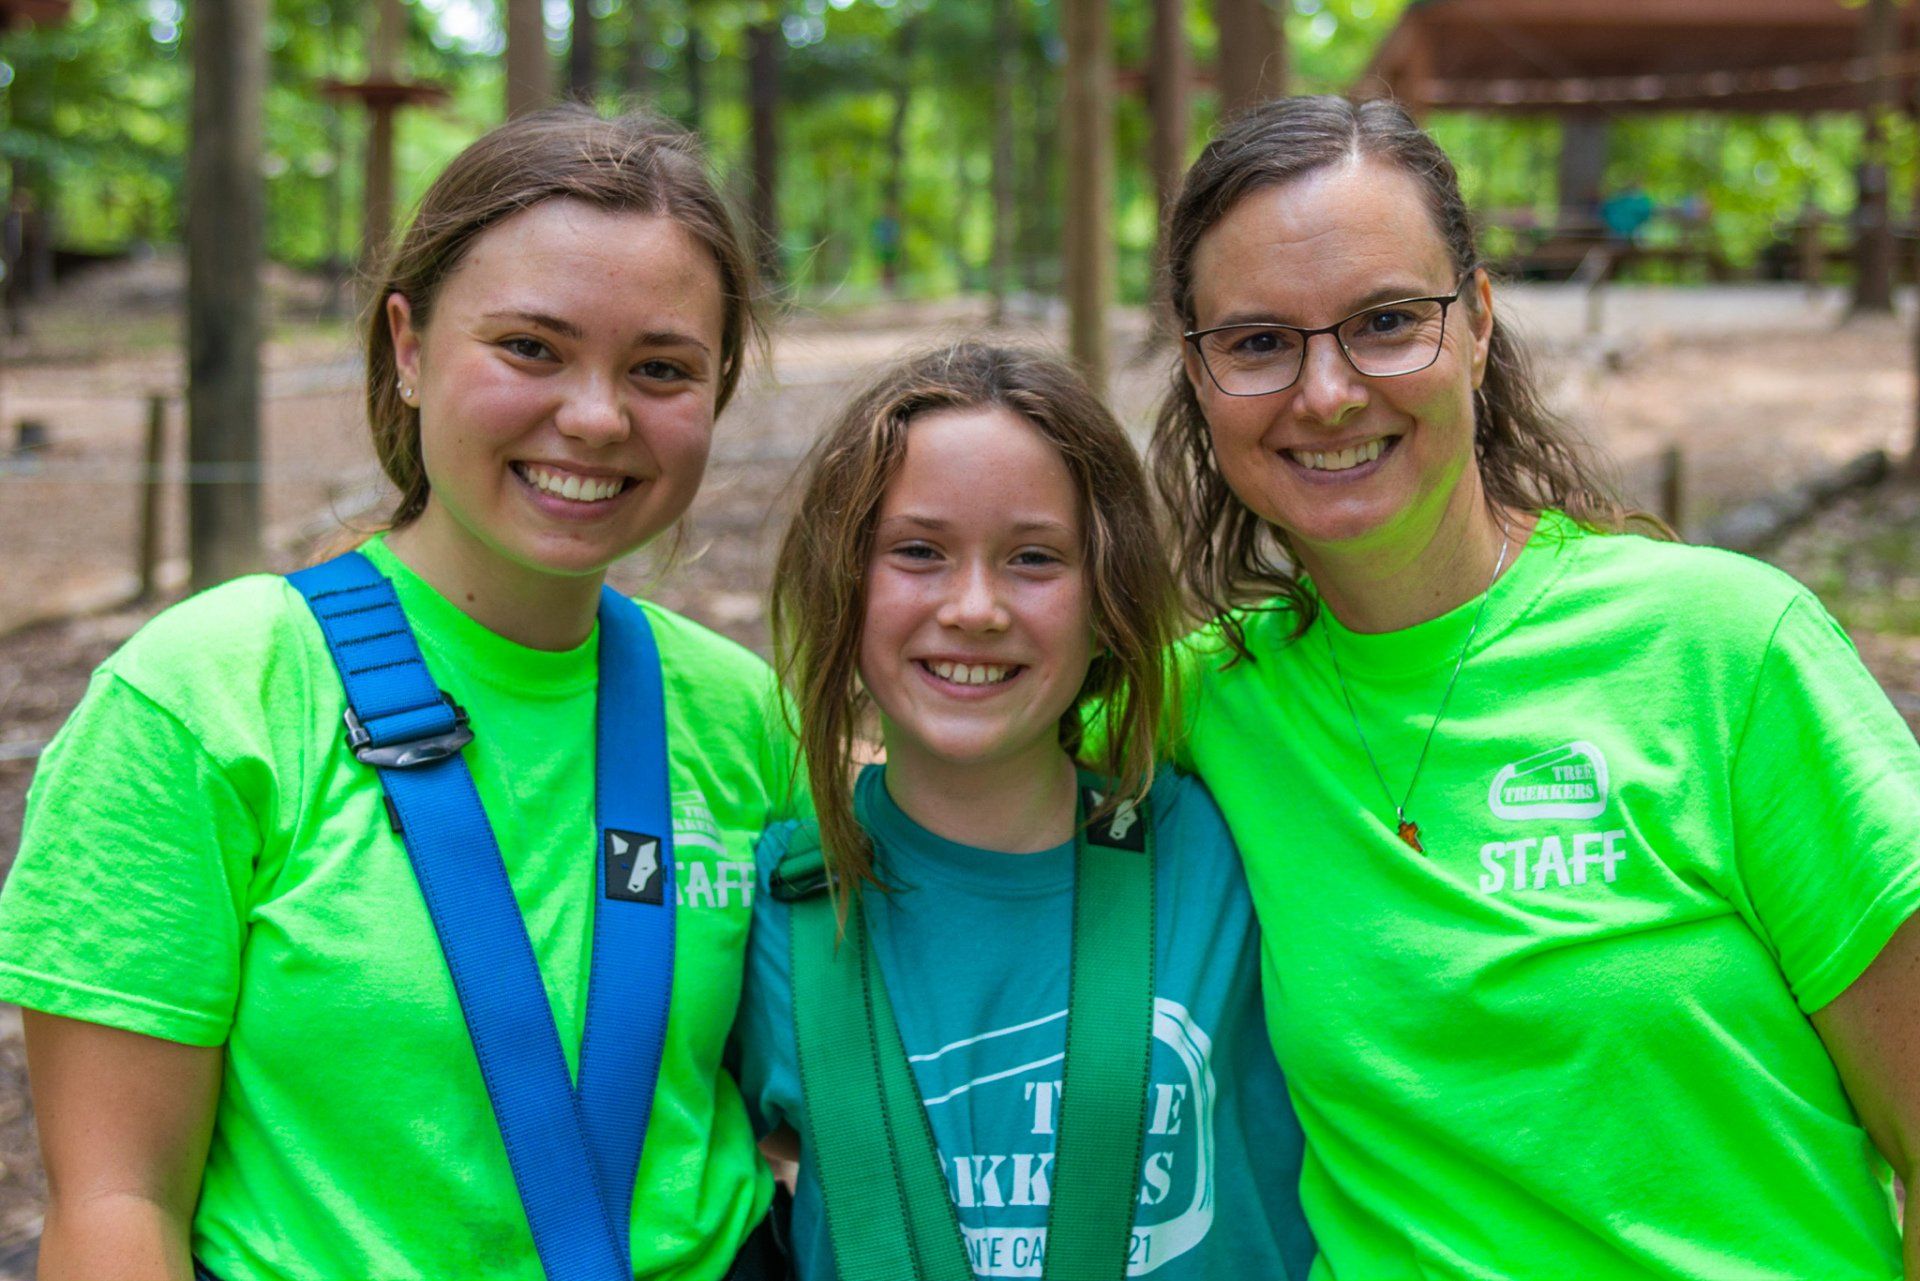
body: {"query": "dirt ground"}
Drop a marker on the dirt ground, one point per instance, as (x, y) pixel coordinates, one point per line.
(1754, 405)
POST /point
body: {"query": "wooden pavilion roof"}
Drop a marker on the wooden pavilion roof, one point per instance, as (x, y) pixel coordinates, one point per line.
(1617, 56)
(41, 13)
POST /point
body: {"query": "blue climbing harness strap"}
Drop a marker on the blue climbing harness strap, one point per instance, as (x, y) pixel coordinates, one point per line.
(575, 1150)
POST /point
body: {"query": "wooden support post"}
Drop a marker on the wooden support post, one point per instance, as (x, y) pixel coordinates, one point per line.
(1812, 246)
(384, 56)
(1252, 60)
(763, 109)
(1873, 222)
(1167, 75)
(529, 75)
(1088, 117)
(583, 74)
(1584, 142)
(150, 495)
(1673, 487)
(225, 231)
(1006, 66)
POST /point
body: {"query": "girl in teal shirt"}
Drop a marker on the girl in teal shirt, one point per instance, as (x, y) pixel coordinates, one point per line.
(975, 560)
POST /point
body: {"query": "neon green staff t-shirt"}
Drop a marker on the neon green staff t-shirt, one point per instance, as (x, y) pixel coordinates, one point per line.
(1667, 816)
(204, 861)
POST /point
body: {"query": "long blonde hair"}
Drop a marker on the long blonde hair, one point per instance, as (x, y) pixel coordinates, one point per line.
(819, 592)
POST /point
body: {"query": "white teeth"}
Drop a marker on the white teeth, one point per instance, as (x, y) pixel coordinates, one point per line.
(1345, 460)
(580, 489)
(970, 674)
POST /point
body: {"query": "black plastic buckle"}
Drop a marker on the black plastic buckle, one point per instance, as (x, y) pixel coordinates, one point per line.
(800, 875)
(416, 751)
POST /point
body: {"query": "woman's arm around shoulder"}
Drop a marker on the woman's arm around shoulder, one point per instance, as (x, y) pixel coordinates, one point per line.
(124, 1123)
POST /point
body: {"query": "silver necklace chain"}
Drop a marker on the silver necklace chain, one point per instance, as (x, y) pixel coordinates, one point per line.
(1400, 810)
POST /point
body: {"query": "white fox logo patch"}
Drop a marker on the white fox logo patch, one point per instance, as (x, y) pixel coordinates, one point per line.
(633, 867)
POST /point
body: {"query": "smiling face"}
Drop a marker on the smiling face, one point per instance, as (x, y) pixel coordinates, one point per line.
(1342, 462)
(566, 382)
(978, 629)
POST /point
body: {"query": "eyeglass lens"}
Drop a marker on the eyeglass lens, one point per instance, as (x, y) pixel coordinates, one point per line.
(1251, 360)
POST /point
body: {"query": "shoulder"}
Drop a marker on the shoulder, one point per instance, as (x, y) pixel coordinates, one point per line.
(691, 652)
(1706, 588)
(780, 839)
(227, 645)
(1207, 654)
(1183, 809)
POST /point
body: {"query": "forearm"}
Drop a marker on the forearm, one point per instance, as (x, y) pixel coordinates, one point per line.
(114, 1236)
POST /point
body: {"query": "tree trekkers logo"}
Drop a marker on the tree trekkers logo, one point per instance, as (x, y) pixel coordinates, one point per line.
(633, 867)
(1002, 1088)
(1565, 782)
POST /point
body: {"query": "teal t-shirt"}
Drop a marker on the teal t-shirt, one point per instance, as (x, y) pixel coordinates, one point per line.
(975, 947)
(1667, 816)
(203, 861)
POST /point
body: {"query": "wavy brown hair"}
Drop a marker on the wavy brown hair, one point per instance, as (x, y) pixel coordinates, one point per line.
(636, 163)
(1528, 457)
(820, 578)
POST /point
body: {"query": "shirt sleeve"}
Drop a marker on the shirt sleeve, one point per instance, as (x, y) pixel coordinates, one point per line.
(763, 1042)
(126, 904)
(1826, 807)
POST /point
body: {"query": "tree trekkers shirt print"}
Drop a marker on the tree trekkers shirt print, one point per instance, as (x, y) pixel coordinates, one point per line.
(974, 948)
(1668, 817)
(1013, 1074)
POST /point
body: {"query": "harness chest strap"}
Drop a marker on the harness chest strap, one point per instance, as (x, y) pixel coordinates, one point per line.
(574, 1149)
(889, 1214)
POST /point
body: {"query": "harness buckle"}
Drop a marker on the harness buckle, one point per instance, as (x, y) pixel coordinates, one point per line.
(413, 752)
(800, 875)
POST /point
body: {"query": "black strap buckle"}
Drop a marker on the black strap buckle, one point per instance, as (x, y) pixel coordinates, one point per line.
(413, 752)
(801, 874)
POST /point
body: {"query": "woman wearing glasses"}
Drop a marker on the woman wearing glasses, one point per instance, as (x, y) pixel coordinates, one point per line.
(1583, 858)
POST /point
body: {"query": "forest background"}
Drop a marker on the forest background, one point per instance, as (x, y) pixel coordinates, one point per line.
(886, 119)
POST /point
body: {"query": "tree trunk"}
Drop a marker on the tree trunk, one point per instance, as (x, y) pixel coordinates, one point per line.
(1088, 116)
(529, 75)
(225, 230)
(763, 106)
(1252, 62)
(891, 233)
(1873, 224)
(583, 80)
(1167, 97)
(1006, 66)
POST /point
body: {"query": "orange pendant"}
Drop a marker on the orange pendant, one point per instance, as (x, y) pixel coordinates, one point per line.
(1410, 833)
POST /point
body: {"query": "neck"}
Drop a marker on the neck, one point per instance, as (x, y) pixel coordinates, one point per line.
(527, 607)
(1020, 806)
(1383, 586)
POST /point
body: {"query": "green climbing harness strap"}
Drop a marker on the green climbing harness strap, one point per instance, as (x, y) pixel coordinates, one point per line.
(889, 1214)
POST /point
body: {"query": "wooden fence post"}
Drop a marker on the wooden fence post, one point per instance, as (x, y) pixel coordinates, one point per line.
(150, 495)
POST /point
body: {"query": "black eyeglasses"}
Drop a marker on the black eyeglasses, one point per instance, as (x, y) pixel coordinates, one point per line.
(1385, 340)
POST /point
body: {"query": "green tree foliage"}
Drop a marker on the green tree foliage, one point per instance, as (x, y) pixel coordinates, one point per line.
(93, 120)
